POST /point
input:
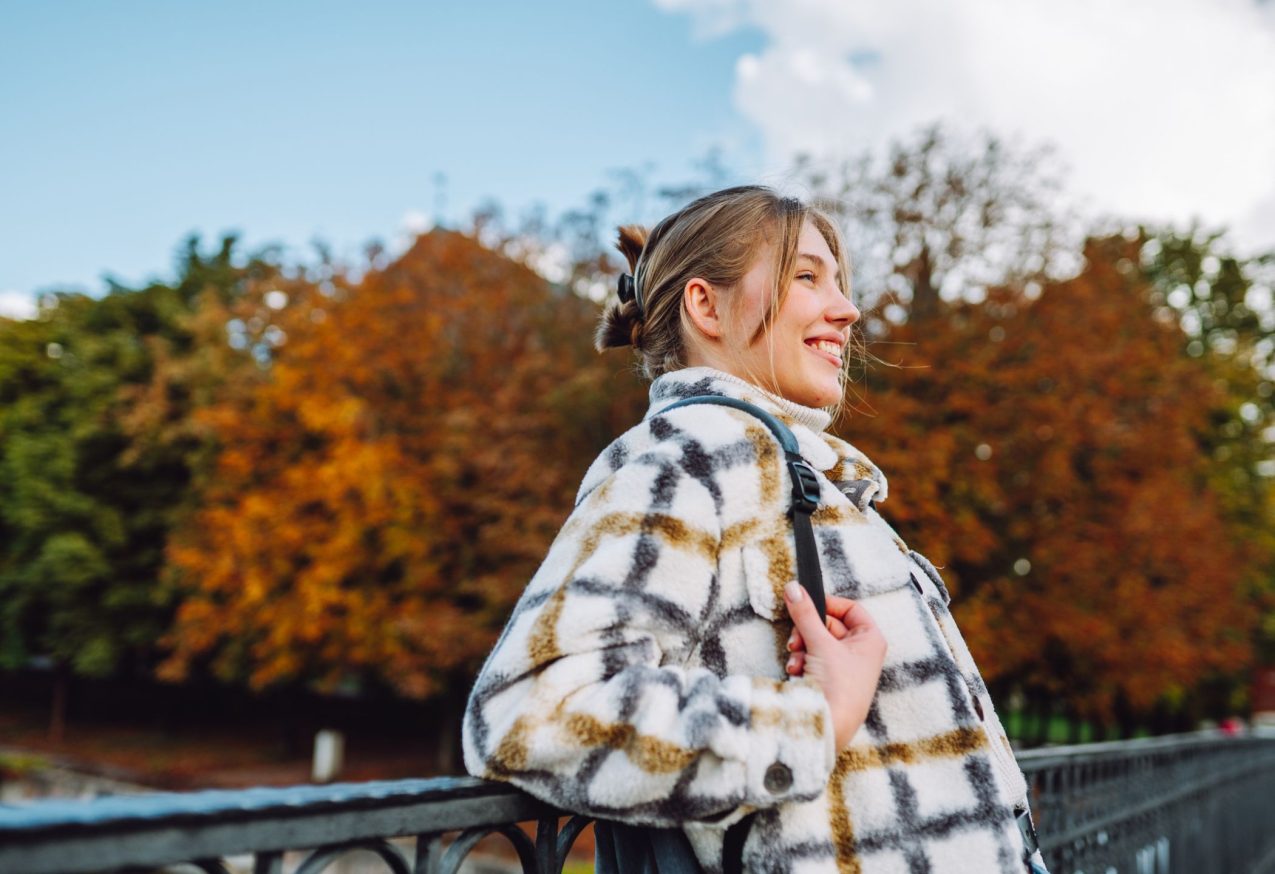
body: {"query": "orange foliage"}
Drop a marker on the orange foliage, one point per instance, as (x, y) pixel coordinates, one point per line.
(382, 496)
(387, 485)
(1047, 454)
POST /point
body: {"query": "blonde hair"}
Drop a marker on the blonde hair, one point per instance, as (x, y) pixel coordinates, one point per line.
(717, 238)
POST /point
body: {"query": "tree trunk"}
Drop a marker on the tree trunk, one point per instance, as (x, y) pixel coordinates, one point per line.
(1161, 719)
(451, 708)
(925, 297)
(57, 711)
(1125, 718)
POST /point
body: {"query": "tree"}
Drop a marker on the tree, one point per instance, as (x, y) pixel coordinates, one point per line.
(386, 488)
(1224, 305)
(86, 495)
(935, 219)
(1047, 455)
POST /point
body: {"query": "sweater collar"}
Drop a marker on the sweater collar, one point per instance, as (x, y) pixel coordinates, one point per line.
(694, 381)
(847, 467)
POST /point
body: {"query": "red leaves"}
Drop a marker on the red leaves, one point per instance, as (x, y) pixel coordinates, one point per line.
(1053, 466)
(386, 488)
(383, 496)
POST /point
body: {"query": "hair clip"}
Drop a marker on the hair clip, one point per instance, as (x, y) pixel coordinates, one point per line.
(626, 287)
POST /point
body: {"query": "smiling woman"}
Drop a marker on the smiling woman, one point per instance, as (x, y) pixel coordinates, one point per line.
(664, 666)
(801, 356)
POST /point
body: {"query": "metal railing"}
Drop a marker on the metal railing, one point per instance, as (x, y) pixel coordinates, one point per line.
(1204, 805)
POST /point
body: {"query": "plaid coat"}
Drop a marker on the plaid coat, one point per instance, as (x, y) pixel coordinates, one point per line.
(641, 675)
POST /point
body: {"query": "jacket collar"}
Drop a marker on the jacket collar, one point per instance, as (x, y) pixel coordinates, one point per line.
(845, 466)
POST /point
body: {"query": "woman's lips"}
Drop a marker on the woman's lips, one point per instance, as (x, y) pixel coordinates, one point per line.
(823, 350)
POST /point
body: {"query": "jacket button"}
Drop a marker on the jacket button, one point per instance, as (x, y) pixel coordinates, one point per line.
(778, 779)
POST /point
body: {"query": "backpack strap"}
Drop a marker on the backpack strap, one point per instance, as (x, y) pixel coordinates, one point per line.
(805, 493)
(805, 500)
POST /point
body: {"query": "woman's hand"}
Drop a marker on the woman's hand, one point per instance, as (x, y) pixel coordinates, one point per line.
(844, 657)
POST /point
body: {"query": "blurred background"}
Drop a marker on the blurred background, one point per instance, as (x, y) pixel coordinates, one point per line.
(296, 369)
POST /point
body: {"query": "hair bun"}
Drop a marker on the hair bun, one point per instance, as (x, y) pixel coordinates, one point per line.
(631, 241)
(619, 326)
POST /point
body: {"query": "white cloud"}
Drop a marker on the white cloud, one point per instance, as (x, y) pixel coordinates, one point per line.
(1161, 109)
(552, 261)
(712, 17)
(17, 305)
(411, 225)
(415, 222)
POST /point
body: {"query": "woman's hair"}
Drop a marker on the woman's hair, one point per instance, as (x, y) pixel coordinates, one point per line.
(717, 238)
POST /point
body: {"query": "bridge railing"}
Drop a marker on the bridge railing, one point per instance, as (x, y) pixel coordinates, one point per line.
(1170, 805)
(1198, 804)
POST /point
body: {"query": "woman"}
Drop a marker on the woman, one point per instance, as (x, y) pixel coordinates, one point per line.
(663, 665)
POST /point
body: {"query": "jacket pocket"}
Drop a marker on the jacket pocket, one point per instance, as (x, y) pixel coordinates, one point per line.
(763, 570)
(862, 556)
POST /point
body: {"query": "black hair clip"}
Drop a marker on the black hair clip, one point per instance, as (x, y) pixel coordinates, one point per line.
(626, 287)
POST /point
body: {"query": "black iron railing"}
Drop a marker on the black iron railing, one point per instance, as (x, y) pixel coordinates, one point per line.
(1172, 805)
(1204, 805)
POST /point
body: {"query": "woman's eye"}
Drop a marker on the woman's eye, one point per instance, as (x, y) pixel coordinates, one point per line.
(807, 275)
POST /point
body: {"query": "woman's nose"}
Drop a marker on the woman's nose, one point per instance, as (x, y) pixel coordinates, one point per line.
(842, 310)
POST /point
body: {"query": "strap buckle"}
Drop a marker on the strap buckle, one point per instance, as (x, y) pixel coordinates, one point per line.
(1030, 841)
(805, 485)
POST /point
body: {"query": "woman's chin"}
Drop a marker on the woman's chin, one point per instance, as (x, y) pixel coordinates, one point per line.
(818, 393)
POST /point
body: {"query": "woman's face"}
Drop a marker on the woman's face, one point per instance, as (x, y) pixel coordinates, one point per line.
(810, 331)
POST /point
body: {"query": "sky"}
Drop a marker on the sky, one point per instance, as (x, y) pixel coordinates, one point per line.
(126, 126)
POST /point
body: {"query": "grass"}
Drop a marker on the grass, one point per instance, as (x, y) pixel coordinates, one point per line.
(15, 765)
(1025, 728)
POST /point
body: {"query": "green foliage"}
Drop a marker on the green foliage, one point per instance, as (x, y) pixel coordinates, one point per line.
(1224, 304)
(87, 491)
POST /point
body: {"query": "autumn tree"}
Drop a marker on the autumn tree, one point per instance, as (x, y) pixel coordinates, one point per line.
(385, 490)
(1224, 304)
(936, 218)
(86, 495)
(1046, 453)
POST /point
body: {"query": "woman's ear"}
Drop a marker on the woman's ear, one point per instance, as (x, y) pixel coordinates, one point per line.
(703, 306)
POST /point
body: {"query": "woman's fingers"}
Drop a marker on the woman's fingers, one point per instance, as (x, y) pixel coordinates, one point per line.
(842, 654)
(837, 605)
(851, 614)
(804, 616)
(796, 643)
(838, 630)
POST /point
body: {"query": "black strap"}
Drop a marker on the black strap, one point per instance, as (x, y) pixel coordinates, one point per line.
(805, 501)
(805, 493)
(733, 846)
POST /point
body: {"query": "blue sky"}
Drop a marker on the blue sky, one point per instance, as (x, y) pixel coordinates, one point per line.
(128, 124)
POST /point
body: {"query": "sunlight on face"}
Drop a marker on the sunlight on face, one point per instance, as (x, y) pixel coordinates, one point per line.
(810, 332)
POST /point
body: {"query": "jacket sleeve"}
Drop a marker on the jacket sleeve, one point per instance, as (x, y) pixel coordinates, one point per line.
(585, 703)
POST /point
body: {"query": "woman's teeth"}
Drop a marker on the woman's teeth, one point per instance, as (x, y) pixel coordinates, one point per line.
(827, 346)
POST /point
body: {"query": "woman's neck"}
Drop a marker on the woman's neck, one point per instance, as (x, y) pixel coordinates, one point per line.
(812, 417)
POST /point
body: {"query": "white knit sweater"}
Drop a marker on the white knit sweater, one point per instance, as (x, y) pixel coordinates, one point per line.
(641, 675)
